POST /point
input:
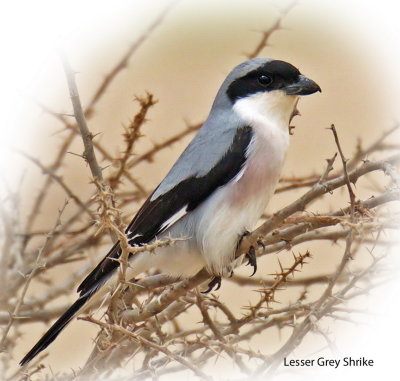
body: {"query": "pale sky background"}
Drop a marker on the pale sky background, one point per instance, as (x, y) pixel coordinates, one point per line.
(351, 48)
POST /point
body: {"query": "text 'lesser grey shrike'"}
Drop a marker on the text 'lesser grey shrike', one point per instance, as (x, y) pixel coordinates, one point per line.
(217, 189)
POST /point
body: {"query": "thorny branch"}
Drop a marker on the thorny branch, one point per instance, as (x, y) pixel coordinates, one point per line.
(28, 279)
(145, 324)
(345, 173)
(123, 62)
(131, 135)
(86, 135)
(274, 27)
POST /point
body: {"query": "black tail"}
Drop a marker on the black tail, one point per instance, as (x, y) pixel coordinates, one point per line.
(57, 327)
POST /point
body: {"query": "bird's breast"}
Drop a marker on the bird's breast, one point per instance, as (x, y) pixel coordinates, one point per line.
(238, 206)
(261, 172)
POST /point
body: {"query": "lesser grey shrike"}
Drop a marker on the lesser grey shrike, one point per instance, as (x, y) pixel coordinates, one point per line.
(217, 189)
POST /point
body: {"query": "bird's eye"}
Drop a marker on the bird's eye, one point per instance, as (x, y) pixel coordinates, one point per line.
(264, 80)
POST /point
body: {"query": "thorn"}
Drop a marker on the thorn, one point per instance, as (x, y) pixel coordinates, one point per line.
(280, 265)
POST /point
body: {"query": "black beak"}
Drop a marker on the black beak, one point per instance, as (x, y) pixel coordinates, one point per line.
(304, 86)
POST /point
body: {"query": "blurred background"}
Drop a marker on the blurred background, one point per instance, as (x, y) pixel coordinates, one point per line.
(350, 48)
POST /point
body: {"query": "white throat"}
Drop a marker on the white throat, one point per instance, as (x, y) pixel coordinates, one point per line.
(267, 108)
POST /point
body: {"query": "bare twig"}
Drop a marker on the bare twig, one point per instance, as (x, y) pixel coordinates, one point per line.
(316, 191)
(123, 62)
(59, 181)
(30, 276)
(131, 135)
(346, 175)
(86, 135)
(148, 156)
(150, 344)
(267, 34)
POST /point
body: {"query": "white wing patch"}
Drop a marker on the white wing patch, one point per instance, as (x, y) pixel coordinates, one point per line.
(177, 216)
(239, 175)
(250, 148)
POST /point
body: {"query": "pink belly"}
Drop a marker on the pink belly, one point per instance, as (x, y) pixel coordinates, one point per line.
(259, 179)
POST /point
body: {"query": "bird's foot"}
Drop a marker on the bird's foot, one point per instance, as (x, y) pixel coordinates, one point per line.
(216, 281)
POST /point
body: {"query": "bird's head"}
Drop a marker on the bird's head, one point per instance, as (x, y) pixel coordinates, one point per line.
(266, 86)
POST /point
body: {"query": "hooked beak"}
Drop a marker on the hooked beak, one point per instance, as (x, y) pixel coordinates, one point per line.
(304, 86)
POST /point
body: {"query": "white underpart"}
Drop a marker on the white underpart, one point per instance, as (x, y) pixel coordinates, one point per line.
(237, 207)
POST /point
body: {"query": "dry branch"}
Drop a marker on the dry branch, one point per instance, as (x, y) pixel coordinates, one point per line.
(123, 62)
(267, 34)
(29, 277)
(86, 135)
(131, 134)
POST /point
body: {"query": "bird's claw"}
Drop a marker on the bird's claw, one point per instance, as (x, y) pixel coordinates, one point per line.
(216, 281)
(261, 243)
(251, 256)
(244, 234)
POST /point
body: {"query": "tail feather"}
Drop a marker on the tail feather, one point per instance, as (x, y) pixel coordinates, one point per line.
(102, 271)
(57, 327)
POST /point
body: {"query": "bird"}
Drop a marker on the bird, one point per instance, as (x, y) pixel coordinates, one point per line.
(217, 189)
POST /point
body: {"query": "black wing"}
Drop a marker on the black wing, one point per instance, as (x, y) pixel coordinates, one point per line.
(157, 215)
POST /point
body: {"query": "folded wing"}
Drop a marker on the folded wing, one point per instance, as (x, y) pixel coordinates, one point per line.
(162, 210)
